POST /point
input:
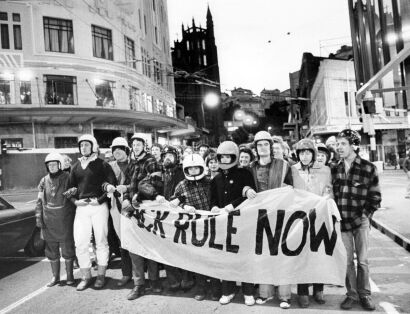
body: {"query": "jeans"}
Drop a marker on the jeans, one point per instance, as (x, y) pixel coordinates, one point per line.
(138, 264)
(88, 218)
(228, 287)
(303, 289)
(357, 240)
(266, 291)
(176, 276)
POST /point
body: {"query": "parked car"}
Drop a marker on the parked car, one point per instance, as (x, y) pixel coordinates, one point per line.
(18, 229)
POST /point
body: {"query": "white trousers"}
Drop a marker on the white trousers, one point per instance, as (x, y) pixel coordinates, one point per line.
(88, 218)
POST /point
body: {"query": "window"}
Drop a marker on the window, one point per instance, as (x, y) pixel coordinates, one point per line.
(4, 92)
(58, 35)
(13, 142)
(145, 24)
(139, 18)
(61, 90)
(153, 5)
(65, 142)
(205, 61)
(16, 17)
(4, 33)
(130, 52)
(25, 93)
(135, 99)
(3, 16)
(104, 91)
(156, 34)
(18, 45)
(102, 43)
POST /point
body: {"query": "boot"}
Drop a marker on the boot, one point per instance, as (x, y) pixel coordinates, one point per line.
(55, 268)
(69, 265)
(85, 280)
(100, 282)
(135, 293)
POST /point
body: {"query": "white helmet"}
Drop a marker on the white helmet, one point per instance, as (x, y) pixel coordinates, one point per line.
(120, 142)
(262, 136)
(91, 139)
(228, 148)
(193, 160)
(54, 156)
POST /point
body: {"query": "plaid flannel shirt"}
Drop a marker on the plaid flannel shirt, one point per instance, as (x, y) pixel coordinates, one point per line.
(194, 193)
(357, 192)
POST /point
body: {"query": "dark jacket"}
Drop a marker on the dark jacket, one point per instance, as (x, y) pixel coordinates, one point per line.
(280, 173)
(53, 210)
(171, 178)
(227, 187)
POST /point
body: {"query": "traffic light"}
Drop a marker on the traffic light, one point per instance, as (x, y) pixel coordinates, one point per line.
(3, 147)
(360, 114)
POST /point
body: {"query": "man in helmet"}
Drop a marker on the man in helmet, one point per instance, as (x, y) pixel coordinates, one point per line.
(122, 169)
(173, 174)
(227, 192)
(310, 176)
(93, 178)
(191, 194)
(357, 195)
(145, 172)
(55, 217)
(269, 173)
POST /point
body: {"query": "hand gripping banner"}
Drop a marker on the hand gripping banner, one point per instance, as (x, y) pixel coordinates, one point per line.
(283, 236)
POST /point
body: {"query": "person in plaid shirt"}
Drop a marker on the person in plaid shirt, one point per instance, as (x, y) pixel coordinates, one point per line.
(357, 195)
(191, 194)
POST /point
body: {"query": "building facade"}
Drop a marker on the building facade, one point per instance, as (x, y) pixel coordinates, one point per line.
(73, 67)
(196, 72)
(380, 30)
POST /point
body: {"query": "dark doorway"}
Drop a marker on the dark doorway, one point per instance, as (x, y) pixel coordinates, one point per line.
(105, 137)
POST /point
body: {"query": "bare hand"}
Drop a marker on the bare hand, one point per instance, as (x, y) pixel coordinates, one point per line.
(251, 194)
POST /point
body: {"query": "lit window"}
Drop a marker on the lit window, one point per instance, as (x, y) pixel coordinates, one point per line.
(104, 91)
(25, 92)
(60, 90)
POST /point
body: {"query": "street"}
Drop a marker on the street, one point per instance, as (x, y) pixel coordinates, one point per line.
(23, 280)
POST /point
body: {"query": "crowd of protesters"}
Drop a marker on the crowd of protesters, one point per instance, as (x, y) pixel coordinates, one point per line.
(74, 204)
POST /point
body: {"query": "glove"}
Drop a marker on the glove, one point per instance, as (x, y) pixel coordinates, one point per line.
(110, 188)
(229, 208)
(215, 210)
(160, 199)
(174, 203)
(251, 194)
(188, 209)
(122, 189)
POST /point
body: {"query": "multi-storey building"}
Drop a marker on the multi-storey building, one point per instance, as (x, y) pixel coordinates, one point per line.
(73, 67)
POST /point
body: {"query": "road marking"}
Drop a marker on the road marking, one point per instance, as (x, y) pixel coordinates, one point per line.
(33, 201)
(31, 295)
(373, 286)
(389, 308)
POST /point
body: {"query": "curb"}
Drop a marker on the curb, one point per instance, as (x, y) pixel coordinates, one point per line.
(396, 237)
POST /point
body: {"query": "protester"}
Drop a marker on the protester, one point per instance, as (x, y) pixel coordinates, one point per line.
(191, 194)
(212, 165)
(245, 157)
(316, 178)
(406, 168)
(122, 168)
(173, 174)
(331, 146)
(323, 154)
(93, 178)
(66, 163)
(270, 173)
(188, 151)
(55, 217)
(357, 195)
(227, 190)
(144, 167)
(156, 151)
(203, 150)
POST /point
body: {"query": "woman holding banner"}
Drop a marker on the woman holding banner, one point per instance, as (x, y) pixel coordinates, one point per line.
(311, 176)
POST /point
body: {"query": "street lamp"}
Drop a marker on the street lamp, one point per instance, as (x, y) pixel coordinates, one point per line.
(211, 100)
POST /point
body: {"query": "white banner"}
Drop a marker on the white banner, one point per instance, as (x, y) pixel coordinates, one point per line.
(283, 236)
